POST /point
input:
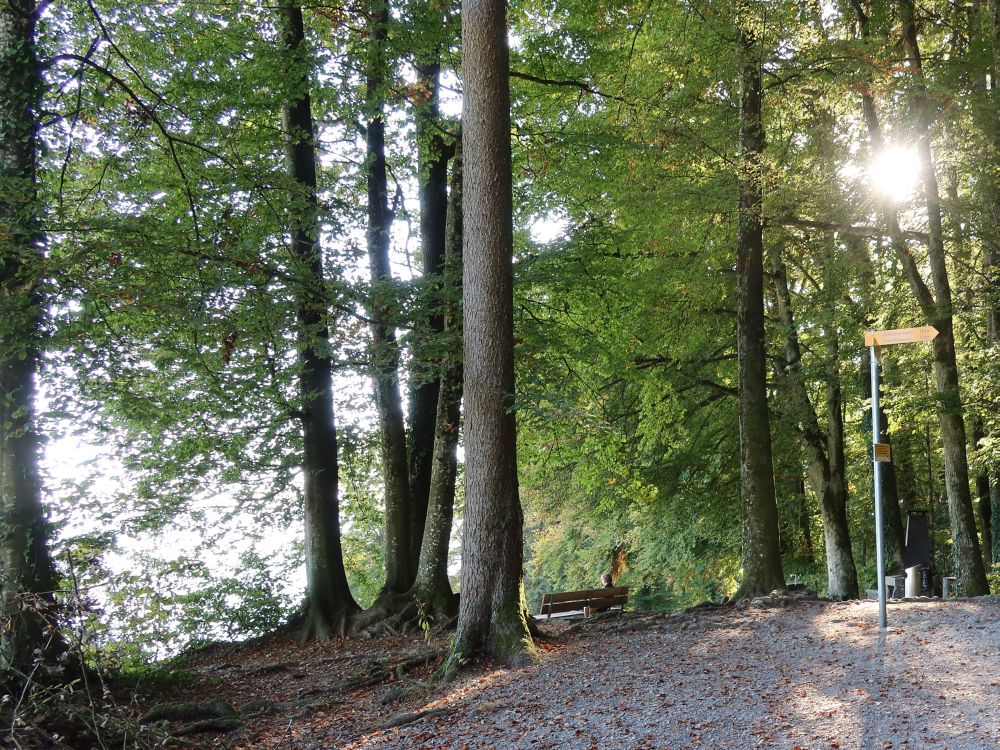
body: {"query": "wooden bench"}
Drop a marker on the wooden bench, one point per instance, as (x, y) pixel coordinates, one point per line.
(583, 602)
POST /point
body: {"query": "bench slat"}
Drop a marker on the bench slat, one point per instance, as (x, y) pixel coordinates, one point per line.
(551, 609)
(574, 601)
(608, 601)
(573, 596)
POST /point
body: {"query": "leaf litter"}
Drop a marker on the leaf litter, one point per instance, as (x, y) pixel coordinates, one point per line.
(786, 673)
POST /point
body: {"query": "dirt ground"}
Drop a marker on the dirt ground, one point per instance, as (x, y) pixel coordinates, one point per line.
(794, 674)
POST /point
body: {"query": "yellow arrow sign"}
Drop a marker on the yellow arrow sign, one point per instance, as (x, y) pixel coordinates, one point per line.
(900, 336)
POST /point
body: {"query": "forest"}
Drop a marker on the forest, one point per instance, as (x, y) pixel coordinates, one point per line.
(380, 317)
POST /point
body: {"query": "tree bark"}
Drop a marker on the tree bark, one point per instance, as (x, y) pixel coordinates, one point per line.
(825, 454)
(983, 496)
(433, 169)
(761, 557)
(329, 600)
(803, 521)
(492, 609)
(965, 542)
(27, 575)
(399, 567)
(432, 587)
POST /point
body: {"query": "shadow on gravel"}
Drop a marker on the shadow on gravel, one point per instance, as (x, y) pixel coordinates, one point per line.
(924, 683)
(812, 676)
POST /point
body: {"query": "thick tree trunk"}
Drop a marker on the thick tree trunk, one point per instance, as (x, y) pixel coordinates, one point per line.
(492, 610)
(431, 586)
(329, 599)
(399, 567)
(965, 542)
(825, 472)
(27, 575)
(762, 571)
(433, 168)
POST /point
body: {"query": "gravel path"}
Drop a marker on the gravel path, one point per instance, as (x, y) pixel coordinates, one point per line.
(808, 676)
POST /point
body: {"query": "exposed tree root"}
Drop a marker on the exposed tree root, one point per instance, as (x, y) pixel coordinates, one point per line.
(323, 629)
(268, 668)
(409, 612)
(377, 672)
(536, 631)
(189, 711)
(208, 725)
(411, 716)
(210, 716)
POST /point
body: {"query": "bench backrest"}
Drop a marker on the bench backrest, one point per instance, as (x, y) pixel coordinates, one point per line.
(571, 601)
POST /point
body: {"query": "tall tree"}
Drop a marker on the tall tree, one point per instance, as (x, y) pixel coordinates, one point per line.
(431, 588)
(27, 576)
(433, 155)
(935, 305)
(825, 453)
(430, 598)
(329, 598)
(761, 557)
(950, 417)
(399, 567)
(991, 242)
(492, 610)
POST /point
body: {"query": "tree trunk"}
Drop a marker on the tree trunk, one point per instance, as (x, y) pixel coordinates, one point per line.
(385, 351)
(492, 610)
(803, 521)
(329, 599)
(965, 542)
(431, 586)
(983, 495)
(825, 472)
(433, 168)
(991, 250)
(761, 558)
(27, 575)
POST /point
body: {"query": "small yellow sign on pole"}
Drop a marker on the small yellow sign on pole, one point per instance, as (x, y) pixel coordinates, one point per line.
(900, 336)
(883, 453)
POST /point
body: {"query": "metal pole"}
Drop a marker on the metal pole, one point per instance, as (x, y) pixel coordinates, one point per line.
(879, 559)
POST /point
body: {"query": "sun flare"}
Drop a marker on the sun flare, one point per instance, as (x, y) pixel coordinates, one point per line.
(894, 172)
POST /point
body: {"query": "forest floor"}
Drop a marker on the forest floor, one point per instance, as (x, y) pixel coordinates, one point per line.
(788, 673)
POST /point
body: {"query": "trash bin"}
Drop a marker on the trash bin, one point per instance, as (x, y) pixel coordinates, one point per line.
(913, 581)
(948, 588)
(926, 581)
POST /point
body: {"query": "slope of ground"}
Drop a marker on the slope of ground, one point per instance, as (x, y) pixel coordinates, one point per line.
(781, 674)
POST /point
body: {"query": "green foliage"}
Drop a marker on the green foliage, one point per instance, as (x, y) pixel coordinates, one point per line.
(994, 579)
(171, 294)
(363, 515)
(133, 616)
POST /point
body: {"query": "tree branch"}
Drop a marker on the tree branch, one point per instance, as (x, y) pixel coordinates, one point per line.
(845, 229)
(568, 83)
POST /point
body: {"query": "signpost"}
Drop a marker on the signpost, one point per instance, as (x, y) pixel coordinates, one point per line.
(881, 452)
